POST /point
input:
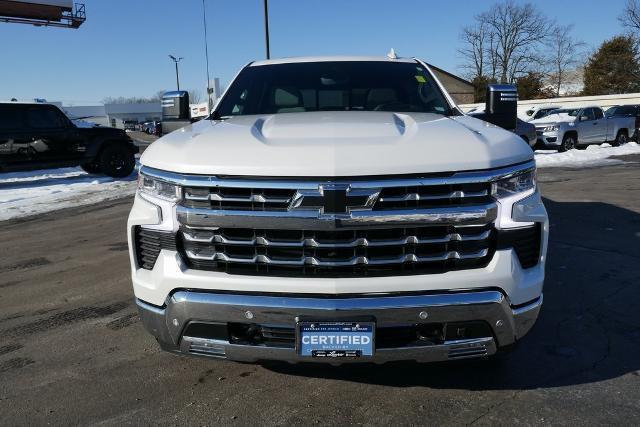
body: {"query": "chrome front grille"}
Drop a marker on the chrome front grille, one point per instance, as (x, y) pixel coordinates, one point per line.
(389, 195)
(414, 250)
(338, 227)
(228, 198)
(427, 196)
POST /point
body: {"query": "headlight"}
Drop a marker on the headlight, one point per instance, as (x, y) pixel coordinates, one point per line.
(519, 183)
(158, 188)
(551, 128)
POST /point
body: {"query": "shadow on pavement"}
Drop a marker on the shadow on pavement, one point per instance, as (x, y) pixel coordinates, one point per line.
(588, 329)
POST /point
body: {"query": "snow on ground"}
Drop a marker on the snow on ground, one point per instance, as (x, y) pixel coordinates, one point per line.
(29, 193)
(594, 155)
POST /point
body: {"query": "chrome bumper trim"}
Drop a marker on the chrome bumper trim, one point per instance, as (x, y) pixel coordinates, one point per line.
(453, 350)
(168, 323)
(525, 317)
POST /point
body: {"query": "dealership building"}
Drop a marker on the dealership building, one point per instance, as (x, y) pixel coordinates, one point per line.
(115, 115)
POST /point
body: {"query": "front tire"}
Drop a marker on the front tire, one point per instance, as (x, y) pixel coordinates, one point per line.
(117, 161)
(621, 139)
(569, 142)
(90, 167)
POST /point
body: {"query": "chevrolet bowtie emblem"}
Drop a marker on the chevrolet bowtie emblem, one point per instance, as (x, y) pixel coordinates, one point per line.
(335, 199)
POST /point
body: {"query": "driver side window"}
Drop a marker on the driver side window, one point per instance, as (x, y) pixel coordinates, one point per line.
(587, 114)
(598, 113)
(45, 118)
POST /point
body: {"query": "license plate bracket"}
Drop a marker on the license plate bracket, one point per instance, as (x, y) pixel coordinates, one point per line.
(335, 339)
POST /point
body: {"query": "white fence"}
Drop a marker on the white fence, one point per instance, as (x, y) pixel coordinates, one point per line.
(603, 101)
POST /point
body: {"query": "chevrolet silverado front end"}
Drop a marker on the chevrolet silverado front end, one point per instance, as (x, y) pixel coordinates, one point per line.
(338, 209)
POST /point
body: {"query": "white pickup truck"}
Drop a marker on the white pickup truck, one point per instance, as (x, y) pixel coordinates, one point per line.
(568, 128)
(339, 209)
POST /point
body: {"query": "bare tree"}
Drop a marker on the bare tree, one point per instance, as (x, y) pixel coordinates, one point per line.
(504, 42)
(565, 54)
(195, 97)
(518, 31)
(474, 51)
(492, 56)
(630, 17)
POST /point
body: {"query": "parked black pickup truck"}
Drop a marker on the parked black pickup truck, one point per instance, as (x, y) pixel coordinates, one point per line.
(36, 136)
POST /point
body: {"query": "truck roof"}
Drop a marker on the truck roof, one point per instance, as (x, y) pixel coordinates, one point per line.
(298, 59)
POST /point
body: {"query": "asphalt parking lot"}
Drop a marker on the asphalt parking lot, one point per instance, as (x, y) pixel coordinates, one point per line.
(72, 349)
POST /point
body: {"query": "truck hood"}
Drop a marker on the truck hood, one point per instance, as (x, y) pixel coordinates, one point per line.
(553, 119)
(332, 144)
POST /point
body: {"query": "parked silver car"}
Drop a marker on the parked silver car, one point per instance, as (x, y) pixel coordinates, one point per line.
(569, 128)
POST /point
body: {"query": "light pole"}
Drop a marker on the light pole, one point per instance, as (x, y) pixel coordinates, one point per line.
(206, 55)
(266, 26)
(176, 60)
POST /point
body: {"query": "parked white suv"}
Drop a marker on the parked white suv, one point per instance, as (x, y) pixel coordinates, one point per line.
(568, 128)
(338, 209)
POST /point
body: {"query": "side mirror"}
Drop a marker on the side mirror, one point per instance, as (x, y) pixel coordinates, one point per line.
(175, 105)
(584, 118)
(501, 106)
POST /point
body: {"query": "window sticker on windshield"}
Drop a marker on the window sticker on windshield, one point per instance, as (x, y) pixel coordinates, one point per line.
(421, 79)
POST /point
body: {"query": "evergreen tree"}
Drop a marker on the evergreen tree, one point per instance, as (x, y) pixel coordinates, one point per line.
(532, 86)
(613, 68)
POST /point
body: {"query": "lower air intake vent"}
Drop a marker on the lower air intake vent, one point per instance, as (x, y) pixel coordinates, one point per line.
(467, 350)
(525, 241)
(204, 348)
(149, 243)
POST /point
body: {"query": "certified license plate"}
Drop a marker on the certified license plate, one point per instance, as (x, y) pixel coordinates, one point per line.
(336, 339)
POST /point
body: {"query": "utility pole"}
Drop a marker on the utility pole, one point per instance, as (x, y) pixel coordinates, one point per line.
(206, 54)
(176, 60)
(266, 26)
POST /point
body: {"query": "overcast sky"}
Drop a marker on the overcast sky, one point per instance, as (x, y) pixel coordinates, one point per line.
(122, 48)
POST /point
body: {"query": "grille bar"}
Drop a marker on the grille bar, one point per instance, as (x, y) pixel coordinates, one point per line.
(459, 194)
(212, 237)
(306, 219)
(313, 261)
(254, 198)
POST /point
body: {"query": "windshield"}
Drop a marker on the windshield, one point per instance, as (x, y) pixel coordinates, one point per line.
(542, 113)
(623, 110)
(333, 86)
(568, 111)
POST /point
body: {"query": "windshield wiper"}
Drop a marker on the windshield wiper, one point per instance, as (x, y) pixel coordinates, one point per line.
(216, 116)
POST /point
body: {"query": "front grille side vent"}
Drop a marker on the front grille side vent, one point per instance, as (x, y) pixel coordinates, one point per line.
(525, 241)
(149, 243)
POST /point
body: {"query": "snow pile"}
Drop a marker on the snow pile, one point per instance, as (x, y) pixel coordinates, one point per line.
(29, 193)
(594, 155)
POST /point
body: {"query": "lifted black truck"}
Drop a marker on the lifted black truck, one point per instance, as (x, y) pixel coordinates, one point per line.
(36, 136)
